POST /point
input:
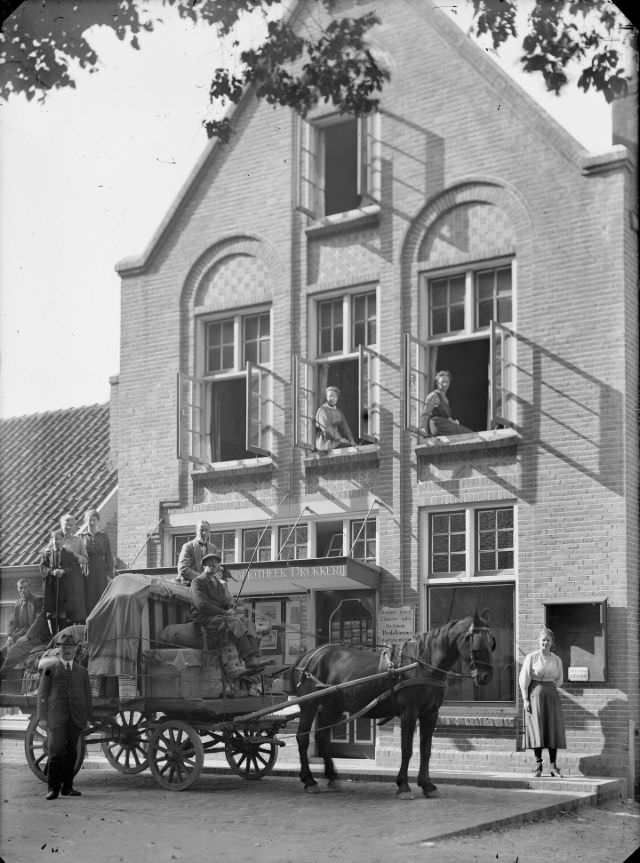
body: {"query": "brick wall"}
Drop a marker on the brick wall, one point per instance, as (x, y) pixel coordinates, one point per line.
(461, 145)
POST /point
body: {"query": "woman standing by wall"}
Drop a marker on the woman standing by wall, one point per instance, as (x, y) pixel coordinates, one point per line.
(540, 676)
(100, 560)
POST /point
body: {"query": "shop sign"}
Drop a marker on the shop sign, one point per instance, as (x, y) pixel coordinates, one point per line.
(396, 624)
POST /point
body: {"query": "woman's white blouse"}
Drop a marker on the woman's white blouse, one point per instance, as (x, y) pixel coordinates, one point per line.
(537, 666)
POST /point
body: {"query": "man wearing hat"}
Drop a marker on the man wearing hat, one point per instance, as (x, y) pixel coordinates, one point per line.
(332, 429)
(192, 552)
(64, 710)
(212, 607)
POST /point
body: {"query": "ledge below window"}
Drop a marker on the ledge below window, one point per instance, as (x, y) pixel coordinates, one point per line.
(262, 464)
(344, 457)
(432, 447)
(351, 220)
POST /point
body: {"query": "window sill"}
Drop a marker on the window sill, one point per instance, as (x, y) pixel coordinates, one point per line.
(262, 464)
(432, 447)
(351, 220)
(338, 458)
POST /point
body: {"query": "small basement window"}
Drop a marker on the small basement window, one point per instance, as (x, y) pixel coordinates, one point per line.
(580, 631)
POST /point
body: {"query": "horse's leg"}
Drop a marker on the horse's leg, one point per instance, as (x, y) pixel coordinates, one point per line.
(326, 719)
(427, 727)
(307, 714)
(407, 730)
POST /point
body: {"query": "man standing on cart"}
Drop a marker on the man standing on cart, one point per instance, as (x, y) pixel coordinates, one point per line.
(212, 607)
(190, 561)
(64, 710)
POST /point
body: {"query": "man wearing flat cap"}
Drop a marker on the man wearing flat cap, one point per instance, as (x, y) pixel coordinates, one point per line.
(212, 607)
(64, 710)
(192, 552)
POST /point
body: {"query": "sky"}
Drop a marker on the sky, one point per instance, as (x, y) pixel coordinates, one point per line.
(87, 177)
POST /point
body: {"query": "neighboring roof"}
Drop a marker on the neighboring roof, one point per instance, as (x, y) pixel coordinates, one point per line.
(50, 464)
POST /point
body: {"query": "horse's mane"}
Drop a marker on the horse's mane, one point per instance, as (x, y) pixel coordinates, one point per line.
(425, 641)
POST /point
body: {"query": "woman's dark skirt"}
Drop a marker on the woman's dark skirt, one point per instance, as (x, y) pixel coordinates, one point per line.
(544, 726)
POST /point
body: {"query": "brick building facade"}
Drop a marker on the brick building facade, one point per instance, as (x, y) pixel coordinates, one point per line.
(459, 227)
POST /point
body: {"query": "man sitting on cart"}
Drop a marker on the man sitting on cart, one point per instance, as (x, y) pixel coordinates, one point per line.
(212, 607)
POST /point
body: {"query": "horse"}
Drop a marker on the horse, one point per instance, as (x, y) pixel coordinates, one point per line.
(414, 692)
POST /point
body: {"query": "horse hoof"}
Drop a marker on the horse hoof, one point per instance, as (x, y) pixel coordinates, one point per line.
(312, 789)
(334, 785)
(431, 792)
(405, 795)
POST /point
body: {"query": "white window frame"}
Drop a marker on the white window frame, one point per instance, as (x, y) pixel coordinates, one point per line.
(193, 433)
(310, 161)
(417, 366)
(307, 397)
(471, 574)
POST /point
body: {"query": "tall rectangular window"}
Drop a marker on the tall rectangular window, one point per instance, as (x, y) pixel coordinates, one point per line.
(363, 539)
(226, 544)
(446, 305)
(448, 543)
(493, 296)
(293, 542)
(495, 538)
(219, 346)
(257, 338)
(256, 544)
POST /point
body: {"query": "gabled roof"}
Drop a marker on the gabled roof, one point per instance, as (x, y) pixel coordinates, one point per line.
(50, 464)
(522, 104)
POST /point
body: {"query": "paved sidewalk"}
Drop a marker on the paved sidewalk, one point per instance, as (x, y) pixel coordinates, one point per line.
(467, 802)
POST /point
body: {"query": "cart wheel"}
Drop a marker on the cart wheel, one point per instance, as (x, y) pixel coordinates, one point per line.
(175, 755)
(251, 753)
(127, 750)
(36, 750)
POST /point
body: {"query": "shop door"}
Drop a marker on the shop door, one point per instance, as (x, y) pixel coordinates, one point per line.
(348, 618)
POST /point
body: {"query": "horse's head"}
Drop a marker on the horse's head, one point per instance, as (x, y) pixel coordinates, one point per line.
(481, 645)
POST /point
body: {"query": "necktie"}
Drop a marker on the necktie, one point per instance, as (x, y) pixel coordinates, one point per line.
(67, 665)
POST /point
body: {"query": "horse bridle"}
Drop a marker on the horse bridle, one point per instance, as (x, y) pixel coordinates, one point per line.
(474, 661)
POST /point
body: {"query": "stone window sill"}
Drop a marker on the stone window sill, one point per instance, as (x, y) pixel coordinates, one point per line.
(262, 464)
(344, 457)
(432, 447)
(352, 220)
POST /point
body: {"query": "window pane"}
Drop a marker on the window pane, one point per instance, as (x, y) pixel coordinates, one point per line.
(438, 292)
(457, 318)
(505, 560)
(441, 543)
(485, 310)
(440, 523)
(504, 310)
(438, 321)
(447, 603)
(440, 563)
(458, 563)
(256, 544)
(456, 291)
(457, 542)
(490, 538)
(487, 562)
(458, 521)
(341, 166)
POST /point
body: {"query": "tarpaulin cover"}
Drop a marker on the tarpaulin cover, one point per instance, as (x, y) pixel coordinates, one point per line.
(115, 624)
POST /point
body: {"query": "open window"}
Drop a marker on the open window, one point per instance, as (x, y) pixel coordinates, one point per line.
(225, 414)
(580, 639)
(338, 164)
(345, 338)
(465, 334)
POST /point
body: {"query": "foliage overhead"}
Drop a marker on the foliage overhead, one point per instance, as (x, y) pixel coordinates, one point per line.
(43, 41)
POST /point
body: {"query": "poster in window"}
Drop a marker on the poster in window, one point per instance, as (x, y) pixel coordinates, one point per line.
(268, 613)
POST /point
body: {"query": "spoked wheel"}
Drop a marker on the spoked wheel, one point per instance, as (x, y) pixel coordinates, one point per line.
(127, 750)
(36, 750)
(175, 754)
(251, 753)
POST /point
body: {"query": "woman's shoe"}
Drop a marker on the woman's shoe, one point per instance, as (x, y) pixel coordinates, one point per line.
(538, 770)
(555, 770)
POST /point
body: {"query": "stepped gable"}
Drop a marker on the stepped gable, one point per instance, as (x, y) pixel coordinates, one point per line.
(50, 463)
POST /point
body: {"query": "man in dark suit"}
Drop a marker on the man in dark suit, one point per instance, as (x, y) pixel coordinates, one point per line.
(192, 552)
(212, 607)
(64, 710)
